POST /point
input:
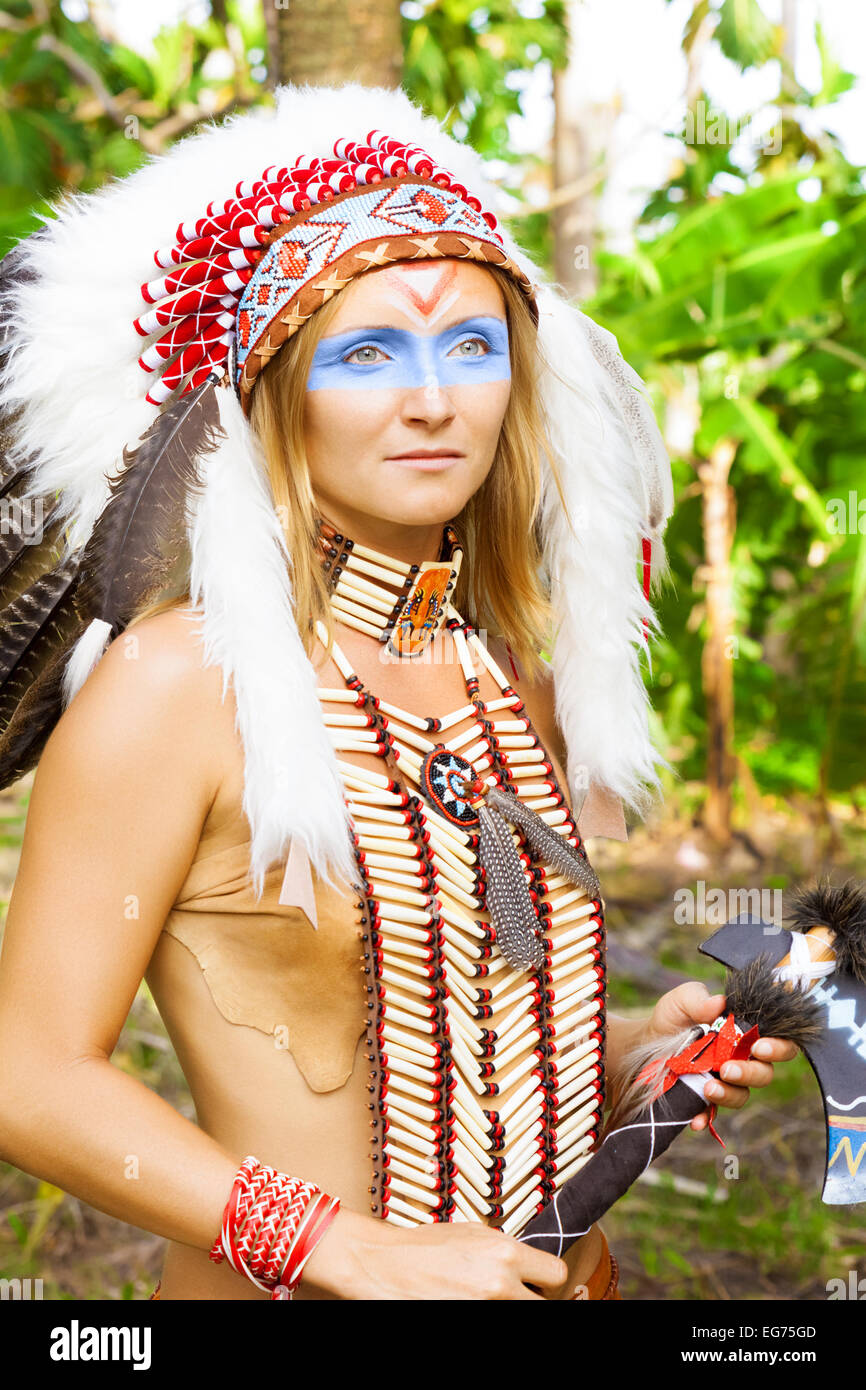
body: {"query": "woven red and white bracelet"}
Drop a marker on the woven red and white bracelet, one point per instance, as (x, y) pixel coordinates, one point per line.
(271, 1225)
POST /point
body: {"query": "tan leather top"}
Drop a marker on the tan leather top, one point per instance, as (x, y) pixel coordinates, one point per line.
(266, 966)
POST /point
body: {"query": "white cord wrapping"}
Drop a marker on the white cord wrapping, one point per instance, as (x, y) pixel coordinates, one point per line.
(802, 971)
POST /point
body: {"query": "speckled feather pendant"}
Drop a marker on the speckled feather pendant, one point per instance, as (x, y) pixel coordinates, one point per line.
(545, 842)
(507, 895)
(451, 786)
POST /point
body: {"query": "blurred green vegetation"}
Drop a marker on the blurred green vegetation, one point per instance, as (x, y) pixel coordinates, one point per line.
(753, 302)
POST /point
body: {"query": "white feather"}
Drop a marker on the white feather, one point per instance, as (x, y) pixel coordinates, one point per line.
(86, 653)
(240, 578)
(590, 555)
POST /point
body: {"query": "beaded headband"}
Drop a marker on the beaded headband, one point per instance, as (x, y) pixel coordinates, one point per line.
(246, 276)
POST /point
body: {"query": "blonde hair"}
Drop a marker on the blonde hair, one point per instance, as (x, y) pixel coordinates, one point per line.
(500, 588)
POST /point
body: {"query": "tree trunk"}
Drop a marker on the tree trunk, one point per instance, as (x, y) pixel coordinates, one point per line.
(574, 221)
(719, 513)
(323, 42)
(788, 86)
(696, 50)
(582, 126)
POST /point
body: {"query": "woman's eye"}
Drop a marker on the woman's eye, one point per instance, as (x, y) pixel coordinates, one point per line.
(470, 347)
(365, 355)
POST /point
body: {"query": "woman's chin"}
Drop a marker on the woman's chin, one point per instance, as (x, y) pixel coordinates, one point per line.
(420, 503)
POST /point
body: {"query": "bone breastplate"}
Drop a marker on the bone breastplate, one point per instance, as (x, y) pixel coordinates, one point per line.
(485, 1074)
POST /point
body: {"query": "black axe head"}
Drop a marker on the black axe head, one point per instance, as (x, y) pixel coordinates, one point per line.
(838, 1053)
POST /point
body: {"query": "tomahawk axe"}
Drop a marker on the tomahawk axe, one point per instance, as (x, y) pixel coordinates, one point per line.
(807, 984)
(838, 1055)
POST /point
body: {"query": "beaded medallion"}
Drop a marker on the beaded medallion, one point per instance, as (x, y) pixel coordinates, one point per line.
(444, 779)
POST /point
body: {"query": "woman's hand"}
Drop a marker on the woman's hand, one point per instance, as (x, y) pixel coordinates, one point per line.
(362, 1258)
(691, 1003)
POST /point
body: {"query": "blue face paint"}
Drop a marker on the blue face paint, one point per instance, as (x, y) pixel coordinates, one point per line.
(466, 354)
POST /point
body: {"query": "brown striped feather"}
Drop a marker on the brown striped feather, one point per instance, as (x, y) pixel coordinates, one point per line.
(142, 527)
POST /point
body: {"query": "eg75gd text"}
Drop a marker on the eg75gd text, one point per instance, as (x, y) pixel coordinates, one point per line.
(721, 1333)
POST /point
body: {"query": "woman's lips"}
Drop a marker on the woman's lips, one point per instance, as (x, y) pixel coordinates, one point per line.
(427, 463)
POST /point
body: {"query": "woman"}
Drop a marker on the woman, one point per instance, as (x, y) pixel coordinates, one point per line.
(406, 1028)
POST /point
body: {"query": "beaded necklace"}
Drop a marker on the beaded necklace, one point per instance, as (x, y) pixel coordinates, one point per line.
(486, 1080)
(363, 584)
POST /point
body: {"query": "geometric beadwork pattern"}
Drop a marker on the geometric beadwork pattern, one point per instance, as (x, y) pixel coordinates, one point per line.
(328, 249)
(444, 779)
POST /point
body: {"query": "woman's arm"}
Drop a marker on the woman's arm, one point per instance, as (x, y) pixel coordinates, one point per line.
(122, 791)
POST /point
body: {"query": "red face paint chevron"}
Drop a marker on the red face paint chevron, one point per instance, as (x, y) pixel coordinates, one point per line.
(251, 272)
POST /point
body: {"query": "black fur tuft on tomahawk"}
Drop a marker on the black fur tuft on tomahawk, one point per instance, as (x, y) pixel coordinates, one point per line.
(842, 910)
(756, 999)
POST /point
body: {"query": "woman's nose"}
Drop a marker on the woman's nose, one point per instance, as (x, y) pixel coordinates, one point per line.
(429, 403)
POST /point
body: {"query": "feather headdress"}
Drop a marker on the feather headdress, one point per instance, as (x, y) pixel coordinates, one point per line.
(138, 463)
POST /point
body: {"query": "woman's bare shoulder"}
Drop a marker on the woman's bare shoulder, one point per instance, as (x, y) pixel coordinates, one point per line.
(160, 656)
(126, 782)
(168, 644)
(151, 696)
